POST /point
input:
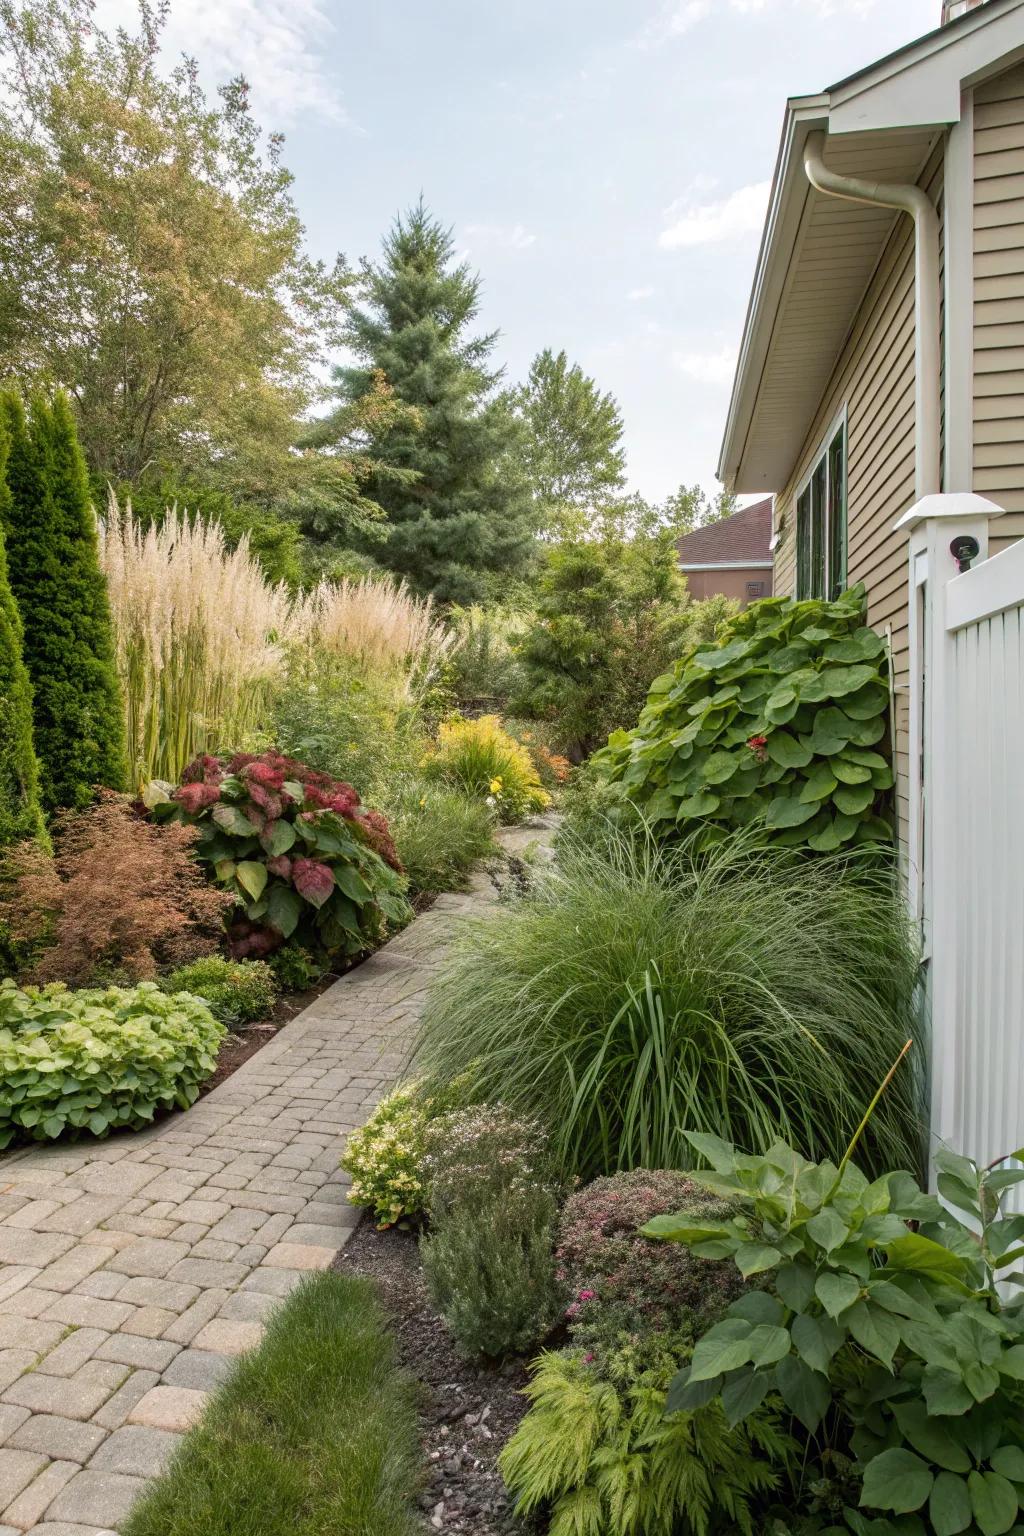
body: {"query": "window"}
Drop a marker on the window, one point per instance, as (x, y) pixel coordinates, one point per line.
(821, 522)
(755, 589)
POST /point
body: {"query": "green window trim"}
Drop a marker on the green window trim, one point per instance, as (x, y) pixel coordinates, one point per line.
(821, 535)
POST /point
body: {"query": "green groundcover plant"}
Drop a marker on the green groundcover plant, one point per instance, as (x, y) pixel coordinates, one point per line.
(298, 851)
(99, 1061)
(235, 991)
(440, 833)
(881, 1324)
(780, 724)
(639, 992)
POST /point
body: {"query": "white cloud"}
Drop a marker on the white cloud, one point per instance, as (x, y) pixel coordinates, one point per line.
(278, 45)
(714, 368)
(637, 295)
(735, 217)
(508, 237)
(678, 17)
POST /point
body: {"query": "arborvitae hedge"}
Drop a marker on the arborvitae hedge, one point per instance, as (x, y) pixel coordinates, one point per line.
(20, 814)
(61, 593)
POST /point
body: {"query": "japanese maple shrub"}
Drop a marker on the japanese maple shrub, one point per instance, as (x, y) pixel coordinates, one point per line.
(781, 724)
(296, 849)
(882, 1325)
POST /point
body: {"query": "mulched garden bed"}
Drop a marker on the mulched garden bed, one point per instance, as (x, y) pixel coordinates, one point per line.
(467, 1411)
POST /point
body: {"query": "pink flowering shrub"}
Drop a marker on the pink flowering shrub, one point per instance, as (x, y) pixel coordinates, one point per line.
(299, 853)
(625, 1289)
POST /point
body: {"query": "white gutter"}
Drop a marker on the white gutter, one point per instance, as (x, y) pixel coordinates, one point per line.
(928, 296)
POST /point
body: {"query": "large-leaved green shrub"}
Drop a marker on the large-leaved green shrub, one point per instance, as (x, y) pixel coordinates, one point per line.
(883, 1325)
(99, 1061)
(782, 724)
(638, 992)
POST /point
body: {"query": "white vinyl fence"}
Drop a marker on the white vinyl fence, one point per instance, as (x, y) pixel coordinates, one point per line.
(967, 840)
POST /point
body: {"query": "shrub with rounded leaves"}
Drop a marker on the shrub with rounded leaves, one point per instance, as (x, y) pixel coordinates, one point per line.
(235, 991)
(296, 849)
(781, 724)
(385, 1157)
(100, 1060)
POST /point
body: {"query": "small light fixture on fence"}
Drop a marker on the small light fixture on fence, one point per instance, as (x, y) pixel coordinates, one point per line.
(964, 548)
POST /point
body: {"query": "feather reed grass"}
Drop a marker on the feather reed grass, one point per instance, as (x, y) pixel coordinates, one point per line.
(638, 994)
(381, 627)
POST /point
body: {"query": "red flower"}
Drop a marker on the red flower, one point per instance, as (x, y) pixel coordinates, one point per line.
(757, 745)
(313, 881)
(196, 797)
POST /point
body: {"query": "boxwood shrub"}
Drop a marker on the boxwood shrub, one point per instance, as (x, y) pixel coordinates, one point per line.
(100, 1060)
(781, 724)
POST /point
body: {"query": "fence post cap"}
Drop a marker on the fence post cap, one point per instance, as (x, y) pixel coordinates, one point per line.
(955, 504)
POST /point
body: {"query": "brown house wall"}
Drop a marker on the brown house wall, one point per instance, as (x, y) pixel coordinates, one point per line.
(731, 583)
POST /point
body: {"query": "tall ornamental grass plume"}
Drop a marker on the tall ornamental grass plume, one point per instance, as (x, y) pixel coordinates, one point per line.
(379, 624)
(201, 637)
(637, 994)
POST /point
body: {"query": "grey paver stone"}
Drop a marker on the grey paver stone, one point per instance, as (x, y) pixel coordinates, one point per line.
(153, 1257)
(65, 1528)
(159, 1293)
(133, 1349)
(104, 1285)
(117, 1408)
(12, 1417)
(208, 1249)
(72, 1352)
(82, 1215)
(249, 1306)
(32, 1248)
(122, 1179)
(15, 1279)
(197, 1209)
(229, 1336)
(97, 1498)
(209, 1272)
(70, 1397)
(164, 1407)
(150, 1322)
(67, 1272)
(199, 1369)
(184, 1328)
(137, 1449)
(299, 1256)
(314, 1235)
(34, 1500)
(273, 1282)
(62, 1439)
(17, 1469)
(14, 1363)
(89, 1312)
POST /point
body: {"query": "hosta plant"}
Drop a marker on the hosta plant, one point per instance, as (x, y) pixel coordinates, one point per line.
(101, 1060)
(297, 850)
(882, 1324)
(782, 723)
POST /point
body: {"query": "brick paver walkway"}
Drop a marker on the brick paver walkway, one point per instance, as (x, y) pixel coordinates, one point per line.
(133, 1270)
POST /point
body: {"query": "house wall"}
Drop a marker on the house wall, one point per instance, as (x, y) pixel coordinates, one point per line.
(731, 583)
(874, 380)
(999, 300)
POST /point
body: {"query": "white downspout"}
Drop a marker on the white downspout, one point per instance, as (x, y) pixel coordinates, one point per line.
(928, 297)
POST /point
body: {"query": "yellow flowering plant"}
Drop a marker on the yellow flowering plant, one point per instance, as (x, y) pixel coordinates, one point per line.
(384, 1158)
(482, 759)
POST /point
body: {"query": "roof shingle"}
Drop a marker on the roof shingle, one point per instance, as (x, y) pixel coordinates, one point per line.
(742, 539)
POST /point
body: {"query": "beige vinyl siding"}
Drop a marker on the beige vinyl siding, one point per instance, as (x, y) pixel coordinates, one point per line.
(999, 300)
(874, 380)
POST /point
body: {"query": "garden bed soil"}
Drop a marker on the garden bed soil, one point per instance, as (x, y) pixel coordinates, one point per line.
(467, 1411)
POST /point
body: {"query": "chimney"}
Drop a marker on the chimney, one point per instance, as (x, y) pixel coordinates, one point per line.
(951, 9)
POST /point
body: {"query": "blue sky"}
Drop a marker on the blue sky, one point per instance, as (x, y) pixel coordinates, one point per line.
(604, 163)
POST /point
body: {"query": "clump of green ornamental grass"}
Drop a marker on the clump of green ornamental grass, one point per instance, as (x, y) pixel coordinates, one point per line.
(639, 993)
(313, 1433)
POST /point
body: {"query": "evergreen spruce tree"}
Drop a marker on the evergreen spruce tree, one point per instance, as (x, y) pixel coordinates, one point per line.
(61, 594)
(20, 813)
(456, 512)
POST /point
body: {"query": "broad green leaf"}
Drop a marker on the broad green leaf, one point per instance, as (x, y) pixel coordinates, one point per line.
(980, 1380)
(758, 1307)
(994, 1502)
(851, 799)
(682, 1228)
(915, 1254)
(720, 766)
(230, 819)
(820, 783)
(755, 1258)
(1011, 1362)
(897, 1480)
(795, 1284)
(789, 811)
(867, 703)
(724, 1349)
(686, 1395)
(278, 837)
(284, 908)
(252, 877)
(849, 772)
(816, 1340)
(785, 750)
(352, 883)
(949, 1506)
(934, 1438)
(768, 1345)
(804, 1392)
(837, 1292)
(841, 681)
(1008, 1461)
(702, 804)
(874, 1330)
(827, 1229)
(945, 1393)
(744, 1394)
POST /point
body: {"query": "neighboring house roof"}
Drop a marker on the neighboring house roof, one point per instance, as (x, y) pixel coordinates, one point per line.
(743, 539)
(818, 253)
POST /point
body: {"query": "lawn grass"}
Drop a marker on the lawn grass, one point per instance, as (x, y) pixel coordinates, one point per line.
(313, 1434)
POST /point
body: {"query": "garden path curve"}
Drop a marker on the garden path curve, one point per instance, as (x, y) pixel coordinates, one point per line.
(133, 1270)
